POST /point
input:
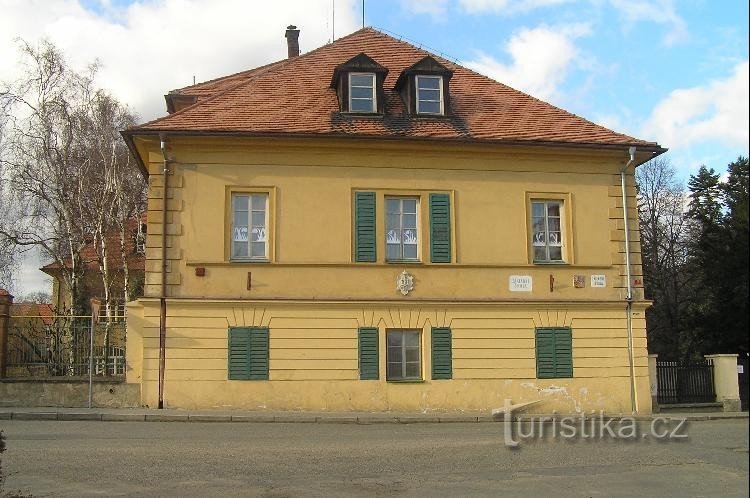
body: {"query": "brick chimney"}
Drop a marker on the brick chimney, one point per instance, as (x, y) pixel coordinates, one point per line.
(292, 41)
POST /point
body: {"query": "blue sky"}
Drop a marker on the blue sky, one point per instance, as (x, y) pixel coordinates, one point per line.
(662, 70)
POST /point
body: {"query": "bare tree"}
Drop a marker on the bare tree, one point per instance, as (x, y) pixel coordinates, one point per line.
(662, 205)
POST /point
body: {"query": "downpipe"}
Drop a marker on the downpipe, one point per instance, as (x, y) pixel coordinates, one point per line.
(629, 295)
(163, 293)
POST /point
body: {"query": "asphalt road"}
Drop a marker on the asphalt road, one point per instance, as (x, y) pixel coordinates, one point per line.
(279, 459)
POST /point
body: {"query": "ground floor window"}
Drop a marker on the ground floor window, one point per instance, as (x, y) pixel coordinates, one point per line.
(554, 353)
(404, 355)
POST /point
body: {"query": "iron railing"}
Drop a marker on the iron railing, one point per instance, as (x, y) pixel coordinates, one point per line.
(685, 382)
(60, 346)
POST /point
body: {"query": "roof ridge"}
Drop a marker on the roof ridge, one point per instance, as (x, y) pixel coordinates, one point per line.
(244, 82)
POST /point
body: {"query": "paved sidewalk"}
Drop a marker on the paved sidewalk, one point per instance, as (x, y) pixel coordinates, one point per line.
(174, 415)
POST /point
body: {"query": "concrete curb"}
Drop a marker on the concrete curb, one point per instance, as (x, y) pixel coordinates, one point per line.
(332, 418)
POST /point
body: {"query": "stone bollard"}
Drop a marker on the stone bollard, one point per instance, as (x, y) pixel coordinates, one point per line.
(6, 299)
(725, 380)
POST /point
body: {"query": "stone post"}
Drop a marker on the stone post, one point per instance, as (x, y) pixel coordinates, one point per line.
(6, 299)
(725, 380)
(653, 382)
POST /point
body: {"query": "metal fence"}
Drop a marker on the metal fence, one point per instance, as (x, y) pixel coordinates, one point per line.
(60, 346)
(685, 382)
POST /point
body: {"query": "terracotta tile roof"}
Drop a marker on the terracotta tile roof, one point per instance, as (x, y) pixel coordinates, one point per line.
(44, 311)
(136, 261)
(294, 97)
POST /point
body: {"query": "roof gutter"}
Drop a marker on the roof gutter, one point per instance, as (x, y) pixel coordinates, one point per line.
(629, 295)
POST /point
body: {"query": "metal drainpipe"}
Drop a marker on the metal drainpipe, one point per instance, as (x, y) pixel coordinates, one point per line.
(629, 296)
(163, 296)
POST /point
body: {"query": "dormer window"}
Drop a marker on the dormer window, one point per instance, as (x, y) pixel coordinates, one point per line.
(359, 85)
(362, 94)
(424, 88)
(429, 94)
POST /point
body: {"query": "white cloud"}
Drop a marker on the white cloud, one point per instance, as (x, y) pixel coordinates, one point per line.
(714, 112)
(656, 11)
(507, 6)
(148, 48)
(540, 58)
(435, 8)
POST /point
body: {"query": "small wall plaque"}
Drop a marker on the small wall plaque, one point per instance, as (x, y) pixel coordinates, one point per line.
(598, 280)
(579, 282)
(519, 283)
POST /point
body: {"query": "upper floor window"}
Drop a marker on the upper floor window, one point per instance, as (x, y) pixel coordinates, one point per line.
(429, 94)
(140, 239)
(547, 231)
(250, 226)
(401, 228)
(362, 95)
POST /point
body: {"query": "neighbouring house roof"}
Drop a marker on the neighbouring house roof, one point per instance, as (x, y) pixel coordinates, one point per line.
(293, 97)
(135, 260)
(43, 311)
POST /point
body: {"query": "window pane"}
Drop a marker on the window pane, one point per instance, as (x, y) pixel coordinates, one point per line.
(392, 221)
(393, 206)
(412, 354)
(239, 202)
(540, 253)
(433, 95)
(361, 93)
(410, 206)
(393, 236)
(424, 82)
(394, 371)
(553, 209)
(537, 209)
(259, 249)
(555, 253)
(239, 250)
(554, 224)
(410, 251)
(239, 234)
(259, 202)
(539, 238)
(361, 79)
(240, 218)
(412, 370)
(258, 234)
(411, 339)
(394, 339)
(410, 221)
(555, 238)
(259, 218)
(410, 237)
(392, 251)
(394, 355)
(429, 107)
(361, 106)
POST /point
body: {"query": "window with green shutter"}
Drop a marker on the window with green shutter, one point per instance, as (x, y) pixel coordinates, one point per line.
(248, 353)
(440, 228)
(554, 353)
(368, 353)
(442, 353)
(364, 227)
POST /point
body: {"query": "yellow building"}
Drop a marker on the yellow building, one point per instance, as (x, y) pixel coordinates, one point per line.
(368, 226)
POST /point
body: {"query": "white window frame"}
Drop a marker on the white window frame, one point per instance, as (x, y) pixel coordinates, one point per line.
(546, 242)
(401, 225)
(250, 227)
(403, 362)
(440, 88)
(374, 107)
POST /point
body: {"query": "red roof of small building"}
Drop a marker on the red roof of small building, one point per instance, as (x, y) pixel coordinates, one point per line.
(89, 256)
(42, 310)
(293, 97)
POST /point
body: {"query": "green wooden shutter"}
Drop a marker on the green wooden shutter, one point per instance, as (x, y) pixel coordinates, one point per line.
(563, 353)
(442, 353)
(248, 353)
(364, 227)
(554, 353)
(368, 353)
(440, 228)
